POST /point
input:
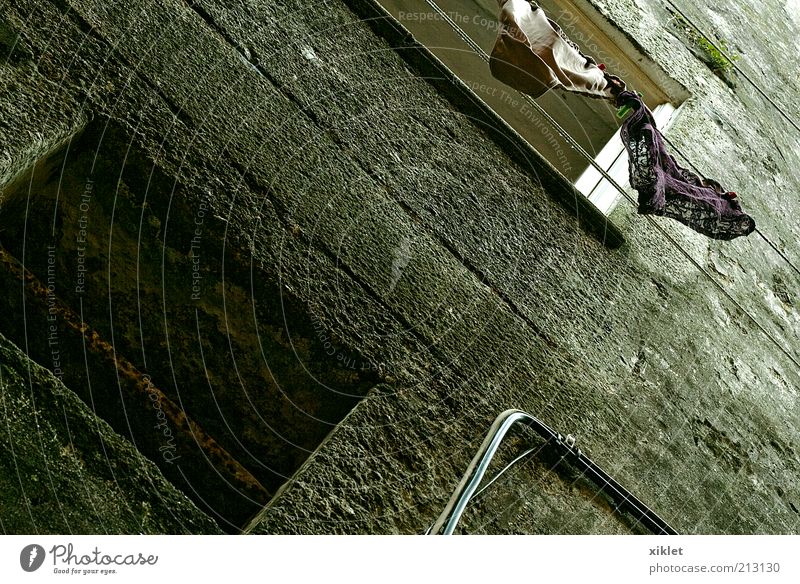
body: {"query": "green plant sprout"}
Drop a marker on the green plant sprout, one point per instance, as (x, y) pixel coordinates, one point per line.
(714, 57)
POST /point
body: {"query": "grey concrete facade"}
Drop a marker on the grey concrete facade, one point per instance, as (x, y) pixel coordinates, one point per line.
(382, 276)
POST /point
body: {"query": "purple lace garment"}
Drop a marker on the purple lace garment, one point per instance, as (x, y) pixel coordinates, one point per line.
(667, 189)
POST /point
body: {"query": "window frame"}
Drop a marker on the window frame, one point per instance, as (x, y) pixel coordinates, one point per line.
(601, 38)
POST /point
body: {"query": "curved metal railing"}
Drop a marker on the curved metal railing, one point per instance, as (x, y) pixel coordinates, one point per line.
(623, 499)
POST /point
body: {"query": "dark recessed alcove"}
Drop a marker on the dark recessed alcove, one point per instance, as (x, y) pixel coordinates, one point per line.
(138, 257)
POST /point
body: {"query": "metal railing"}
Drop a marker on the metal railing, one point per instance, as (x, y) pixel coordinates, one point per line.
(622, 498)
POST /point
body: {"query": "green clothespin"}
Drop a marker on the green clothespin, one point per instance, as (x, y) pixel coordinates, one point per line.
(622, 111)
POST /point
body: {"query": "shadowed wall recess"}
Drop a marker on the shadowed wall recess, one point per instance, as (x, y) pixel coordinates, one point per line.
(218, 375)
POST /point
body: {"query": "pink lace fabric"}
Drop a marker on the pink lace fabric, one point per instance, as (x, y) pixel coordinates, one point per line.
(667, 189)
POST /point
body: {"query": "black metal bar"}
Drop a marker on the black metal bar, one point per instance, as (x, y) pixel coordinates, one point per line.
(622, 498)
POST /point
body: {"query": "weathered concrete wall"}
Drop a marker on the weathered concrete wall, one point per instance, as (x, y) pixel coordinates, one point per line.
(44, 114)
(65, 471)
(682, 399)
(425, 250)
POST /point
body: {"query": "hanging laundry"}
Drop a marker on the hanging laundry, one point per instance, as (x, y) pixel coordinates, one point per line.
(533, 55)
(667, 189)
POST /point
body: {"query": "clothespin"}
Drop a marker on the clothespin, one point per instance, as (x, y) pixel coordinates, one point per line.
(621, 112)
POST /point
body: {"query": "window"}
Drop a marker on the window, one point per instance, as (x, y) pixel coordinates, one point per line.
(591, 122)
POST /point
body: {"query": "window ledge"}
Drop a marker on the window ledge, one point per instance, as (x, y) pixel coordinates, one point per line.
(422, 60)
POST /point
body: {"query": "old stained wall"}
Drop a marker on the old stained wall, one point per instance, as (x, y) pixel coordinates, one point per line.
(424, 249)
(65, 471)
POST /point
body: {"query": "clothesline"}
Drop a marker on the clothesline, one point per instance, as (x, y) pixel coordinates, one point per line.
(533, 55)
(582, 152)
(574, 71)
(573, 76)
